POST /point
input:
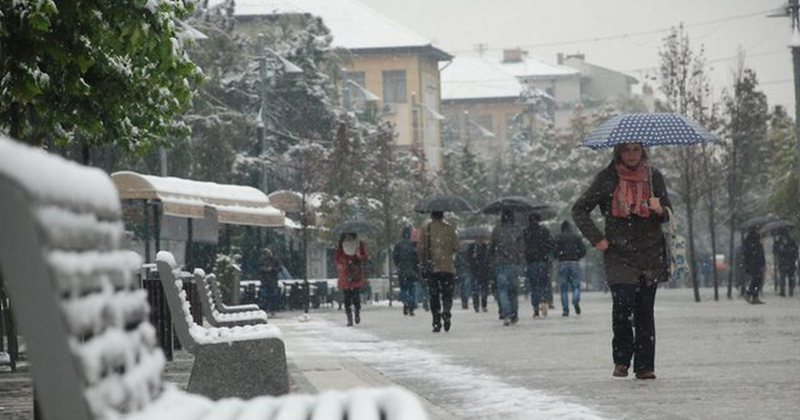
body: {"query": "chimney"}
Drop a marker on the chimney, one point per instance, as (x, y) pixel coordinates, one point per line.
(513, 55)
(560, 58)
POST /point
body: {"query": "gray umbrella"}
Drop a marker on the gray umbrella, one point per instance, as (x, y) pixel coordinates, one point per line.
(544, 211)
(759, 221)
(774, 227)
(443, 202)
(513, 203)
(474, 233)
(356, 226)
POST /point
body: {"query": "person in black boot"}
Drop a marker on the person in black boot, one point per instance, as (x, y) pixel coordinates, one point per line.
(633, 199)
(754, 263)
(350, 257)
(436, 247)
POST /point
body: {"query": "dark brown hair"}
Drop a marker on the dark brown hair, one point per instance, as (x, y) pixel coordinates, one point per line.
(618, 152)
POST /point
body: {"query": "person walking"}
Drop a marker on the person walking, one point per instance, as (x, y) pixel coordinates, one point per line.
(269, 293)
(478, 258)
(754, 263)
(464, 277)
(785, 250)
(569, 251)
(436, 247)
(538, 243)
(350, 258)
(632, 197)
(505, 255)
(406, 260)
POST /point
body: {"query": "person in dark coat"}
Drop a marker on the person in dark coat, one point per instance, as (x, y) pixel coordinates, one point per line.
(754, 263)
(350, 258)
(569, 251)
(478, 254)
(538, 243)
(505, 255)
(269, 293)
(785, 250)
(464, 277)
(632, 196)
(406, 260)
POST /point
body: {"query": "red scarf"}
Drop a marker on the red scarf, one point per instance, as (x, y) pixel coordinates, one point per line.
(632, 192)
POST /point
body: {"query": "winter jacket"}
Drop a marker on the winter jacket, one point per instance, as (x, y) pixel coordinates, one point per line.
(479, 260)
(569, 247)
(350, 267)
(785, 250)
(506, 245)
(636, 244)
(268, 269)
(443, 246)
(406, 259)
(753, 250)
(538, 243)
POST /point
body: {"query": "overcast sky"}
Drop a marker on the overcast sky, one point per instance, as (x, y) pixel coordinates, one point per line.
(631, 32)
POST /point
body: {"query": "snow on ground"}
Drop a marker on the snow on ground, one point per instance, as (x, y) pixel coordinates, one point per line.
(470, 392)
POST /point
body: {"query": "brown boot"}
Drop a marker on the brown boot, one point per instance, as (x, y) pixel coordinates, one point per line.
(645, 374)
(620, 371)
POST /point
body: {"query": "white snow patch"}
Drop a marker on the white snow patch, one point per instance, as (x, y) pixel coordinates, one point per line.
(470, 392)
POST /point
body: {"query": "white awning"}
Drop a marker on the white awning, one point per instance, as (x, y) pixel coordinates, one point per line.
(234, 204)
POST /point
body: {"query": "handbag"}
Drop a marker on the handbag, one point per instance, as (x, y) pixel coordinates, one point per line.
(676, 249)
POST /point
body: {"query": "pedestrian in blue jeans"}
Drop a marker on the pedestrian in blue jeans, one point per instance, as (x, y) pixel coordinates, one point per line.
(569, 251)
(539, 245)
(505, 255)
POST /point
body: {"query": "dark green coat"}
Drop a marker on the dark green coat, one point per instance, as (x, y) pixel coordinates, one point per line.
(636, 244)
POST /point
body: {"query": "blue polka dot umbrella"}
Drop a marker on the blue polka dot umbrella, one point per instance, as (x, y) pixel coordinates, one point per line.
(650, 129)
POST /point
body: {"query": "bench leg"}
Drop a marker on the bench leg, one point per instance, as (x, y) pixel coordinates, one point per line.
(243, 369)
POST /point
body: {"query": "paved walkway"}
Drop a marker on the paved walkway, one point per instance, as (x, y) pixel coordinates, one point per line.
(719, 360)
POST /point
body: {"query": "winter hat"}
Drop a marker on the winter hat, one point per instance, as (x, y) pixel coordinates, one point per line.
(406, 233)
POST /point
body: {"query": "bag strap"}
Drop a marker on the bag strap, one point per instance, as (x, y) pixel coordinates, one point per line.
(673, 229)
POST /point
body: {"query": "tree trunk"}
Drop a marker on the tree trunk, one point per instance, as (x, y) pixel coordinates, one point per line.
(687, 177)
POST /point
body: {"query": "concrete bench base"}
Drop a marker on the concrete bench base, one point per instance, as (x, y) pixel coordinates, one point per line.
(243, 369)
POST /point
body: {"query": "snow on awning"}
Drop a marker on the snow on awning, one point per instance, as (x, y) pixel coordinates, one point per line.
(234, 204)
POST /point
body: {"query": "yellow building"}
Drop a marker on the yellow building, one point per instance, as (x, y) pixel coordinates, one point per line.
(389, 63)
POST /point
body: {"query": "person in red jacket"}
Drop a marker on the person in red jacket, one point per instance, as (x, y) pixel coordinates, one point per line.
(350, 258)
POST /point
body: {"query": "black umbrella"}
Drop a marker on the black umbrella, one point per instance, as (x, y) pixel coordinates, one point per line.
(356, 226)
(443, 202)
(518, 204)
(759, 221)
(474, 233)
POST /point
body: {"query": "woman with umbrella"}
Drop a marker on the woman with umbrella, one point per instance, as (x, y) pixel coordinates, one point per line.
(632, 196)
(350, 258)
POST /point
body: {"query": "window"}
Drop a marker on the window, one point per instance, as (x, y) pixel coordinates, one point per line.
(394, 86)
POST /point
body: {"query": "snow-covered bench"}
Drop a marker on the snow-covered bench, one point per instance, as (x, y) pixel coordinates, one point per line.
(240, 361)
(92, 351)
(219, 303)
(217, 318)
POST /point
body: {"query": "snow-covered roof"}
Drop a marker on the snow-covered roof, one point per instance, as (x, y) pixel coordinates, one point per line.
(529, 67)
(234, 204)
(477, 78)
(353, 24)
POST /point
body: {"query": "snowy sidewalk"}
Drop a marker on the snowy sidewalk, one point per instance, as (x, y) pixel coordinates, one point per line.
(723, 359)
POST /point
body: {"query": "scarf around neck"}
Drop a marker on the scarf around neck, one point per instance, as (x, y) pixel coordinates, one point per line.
(632, 192)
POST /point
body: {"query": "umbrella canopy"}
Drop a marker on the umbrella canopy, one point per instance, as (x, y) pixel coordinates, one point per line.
(474, 233)
(513, 203)
(443, 202)
(776, 226)
(356, 226)
(759, 222)
(544, 211)
(650, 129)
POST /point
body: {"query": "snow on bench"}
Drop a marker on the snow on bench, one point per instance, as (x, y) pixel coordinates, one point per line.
(223, 319)
(92, 350)
(220, 304)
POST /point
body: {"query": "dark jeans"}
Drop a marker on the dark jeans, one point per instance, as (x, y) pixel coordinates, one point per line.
(441, 287)
(352, 297)
(634, 325)
(756, 283)
(783, 276)
(480, 291)
(538, 277)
